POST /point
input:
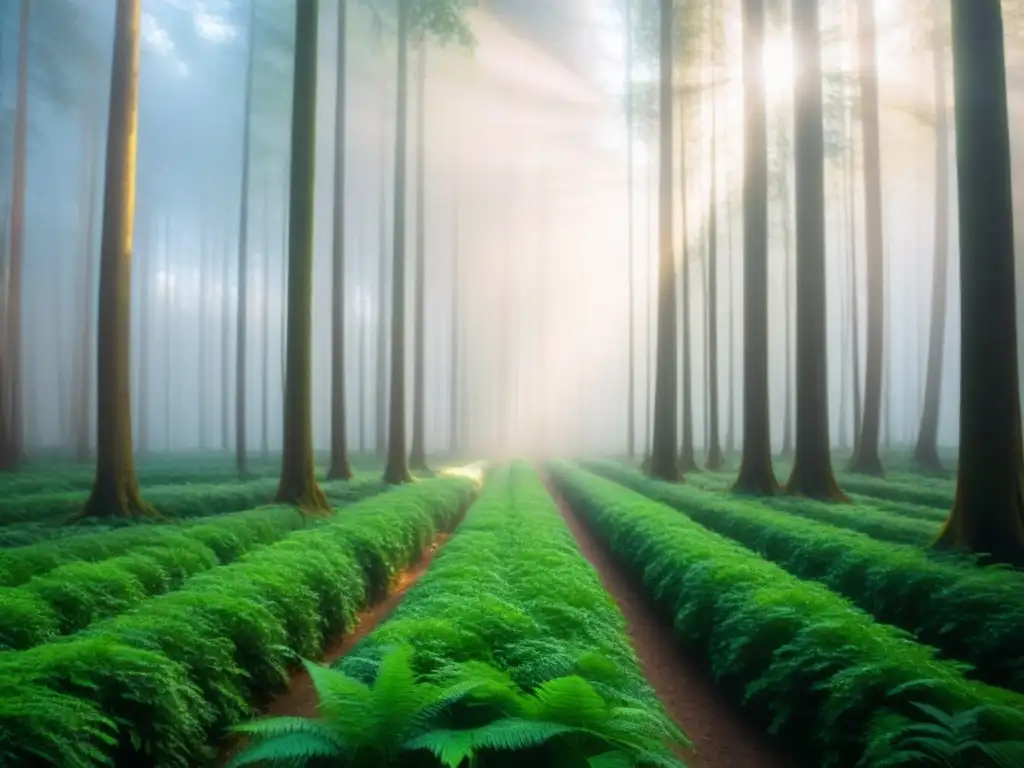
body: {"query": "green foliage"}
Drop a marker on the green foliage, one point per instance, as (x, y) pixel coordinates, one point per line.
(198, 658)
(925, 491)
(489, 600)
(812, 668)
(972, 614)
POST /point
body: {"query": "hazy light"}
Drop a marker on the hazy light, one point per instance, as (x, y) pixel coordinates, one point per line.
(777, 67)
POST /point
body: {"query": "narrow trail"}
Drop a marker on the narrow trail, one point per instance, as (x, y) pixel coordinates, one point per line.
(300, 699)
(721, 736)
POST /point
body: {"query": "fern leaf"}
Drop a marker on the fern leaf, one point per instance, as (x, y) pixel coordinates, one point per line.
(611, 760)
(289, 749)
(513, 734)
(452, 748)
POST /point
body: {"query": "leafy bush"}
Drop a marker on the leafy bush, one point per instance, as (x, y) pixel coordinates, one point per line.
(972, 614)
(924, 491)
(815, 670)
(527, 604)
(198, 658)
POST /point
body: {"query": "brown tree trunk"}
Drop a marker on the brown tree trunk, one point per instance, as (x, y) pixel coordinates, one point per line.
(340, 468)
(715, 459)
(812, 467)
(396, 470)
(988, 512)
(926, 452)
(298, 480)
(866, 459)
(115, 489)
(242, 310)
(756, 472)
(418, 452)
(687, 454)
(12, 440)
(664, 458)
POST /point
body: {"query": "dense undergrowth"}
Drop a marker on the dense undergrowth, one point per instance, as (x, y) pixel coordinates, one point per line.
(973, 614)
(151, 687)
(818, 672)
(513, 618)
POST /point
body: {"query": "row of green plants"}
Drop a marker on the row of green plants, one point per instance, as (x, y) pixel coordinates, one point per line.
(228, 533)
(862, 517)
(508, 652)
(924, 491)
(972, 614)
(153, 686)
(65, 477)
(814, 670)
(173, 502)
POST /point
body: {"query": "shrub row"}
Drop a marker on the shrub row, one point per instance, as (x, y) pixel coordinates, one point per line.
(228, 534)
(969, 613)
(512, 590)
(924, 493)
(815, 670)
(151, 686)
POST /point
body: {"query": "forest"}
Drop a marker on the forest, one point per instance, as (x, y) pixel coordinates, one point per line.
(489, 383)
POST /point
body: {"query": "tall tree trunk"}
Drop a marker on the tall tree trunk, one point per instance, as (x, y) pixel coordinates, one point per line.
(265, 335)
(854, 293)
(715, 459)
(988, 512)
(380, 420)
(12, 441)
(756, 472)
(242, 310)
(787, 297)
(631, 387)
(648, 369)
(396, 471)
(926, 452)
(844, 335)
(418, 453)
(866, 459)
(298, 481)
(115, 489)
(812, 467)
(664, 458)
(730, 309)
(340, 468)
(687, 454)
(85, 373)
(364, 339)
(455, 445)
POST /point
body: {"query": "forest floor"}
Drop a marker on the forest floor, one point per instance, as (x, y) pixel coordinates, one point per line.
(300, 700)
(721, 736)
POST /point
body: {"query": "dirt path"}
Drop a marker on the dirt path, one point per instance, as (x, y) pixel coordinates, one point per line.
(721, 736)
(300, 699)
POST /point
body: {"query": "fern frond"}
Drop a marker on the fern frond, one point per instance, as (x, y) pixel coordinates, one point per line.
(343, 701)
(289, 749)
(513, 734)
(452, 748)
(571, 700)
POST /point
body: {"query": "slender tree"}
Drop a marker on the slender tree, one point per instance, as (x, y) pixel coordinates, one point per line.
(298, 482)
(783, 191)
(242, 309)
(453, 375)
(265, 335)
(812, 466)
(687, 454)
(380, 421)
(730, 308)
(204, 266)
(397, 469)
(926, 452)
(756, 472)
(340, 468)
(167, 301)
(631, 387)
(84, 363)
(988, 511)
(418, 452)
(715, 460)
(664, 458)
(866, 459)
(115, 489)
(225, 346)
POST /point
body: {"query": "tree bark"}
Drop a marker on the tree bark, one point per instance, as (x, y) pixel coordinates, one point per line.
(812, 467)
(926, 452)
(380, 421)
(787, 297)
(418, 452)
(866, 459)
(854, 297)
(730, 308)
(715, 460)
(396, 471)
(631, 387)
(340, 468)
(12, 446)
(756, 472)
(115, 490)
(453, 374)
(242, 310)
(298, 481)
(265, 313)
(687, 454)
(664, 458)
(988, 511)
